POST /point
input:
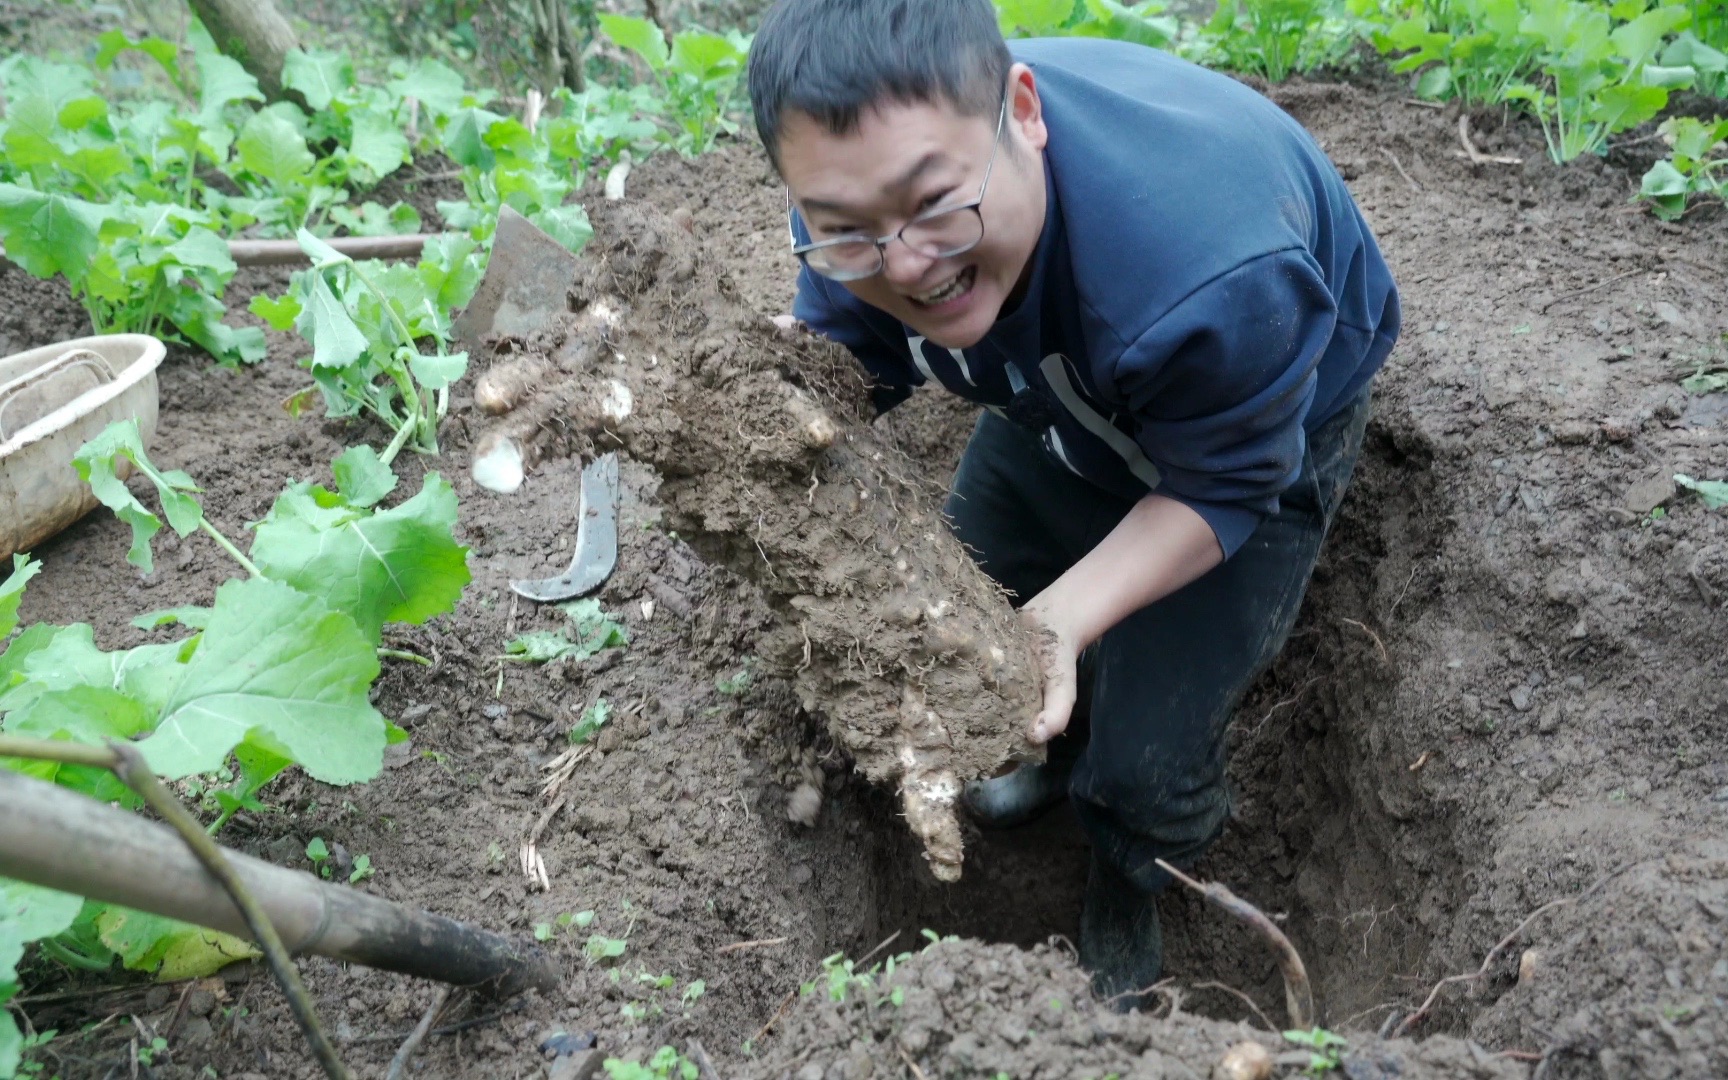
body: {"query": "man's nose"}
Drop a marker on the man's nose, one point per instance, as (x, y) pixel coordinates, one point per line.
(902, 266)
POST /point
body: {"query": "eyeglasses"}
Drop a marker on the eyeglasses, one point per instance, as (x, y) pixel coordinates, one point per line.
(941, 233)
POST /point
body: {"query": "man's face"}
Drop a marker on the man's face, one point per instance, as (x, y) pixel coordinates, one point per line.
(906, 160)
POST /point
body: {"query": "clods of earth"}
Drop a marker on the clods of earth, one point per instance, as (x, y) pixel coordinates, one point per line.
(1492, 749)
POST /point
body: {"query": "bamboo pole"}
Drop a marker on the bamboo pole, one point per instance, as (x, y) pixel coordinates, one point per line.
(62, 840)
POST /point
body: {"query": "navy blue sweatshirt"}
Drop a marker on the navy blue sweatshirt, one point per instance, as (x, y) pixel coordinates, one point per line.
(1204, 293)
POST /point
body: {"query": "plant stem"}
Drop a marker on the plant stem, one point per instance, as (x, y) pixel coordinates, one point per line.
(228, 546)
(404, 654)
(395, 446)
(71, 957)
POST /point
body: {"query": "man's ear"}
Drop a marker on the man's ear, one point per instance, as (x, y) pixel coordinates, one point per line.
(1025, 108)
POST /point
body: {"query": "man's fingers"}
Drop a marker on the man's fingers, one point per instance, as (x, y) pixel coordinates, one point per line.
(1059, 698)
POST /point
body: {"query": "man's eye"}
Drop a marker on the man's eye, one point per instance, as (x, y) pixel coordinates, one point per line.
(935, 200)
(834, 232)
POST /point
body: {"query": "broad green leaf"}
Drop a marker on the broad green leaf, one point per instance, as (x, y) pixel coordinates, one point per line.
(95, 462)
(465, 138)
(1668, 78)
(397, 565)
(450, 269)
(201, 247)
(438, 372)
(319, 75)
(173, 949)
(438, 88)
(113, 42)
(322, 254)
(541, 646)
(704, 55)
(1638, 39)
(198, 316)
(31, 640)
(31, 127)
(270, 147)
(26, 75)
(1033, 18)
(82, 112)
(566, 224)
(221, 80)
(377, 143)
(327, 324)
(374, 220)
(279, 668)
(280, 313)
(1663, 180)
(1714, 493)
(593, 719)
(1626, 106)
(70, 660)
(12, 591)
(1434, 83)
(186, 615)
(641, 37)
(362, 477)
(82, 714)
(48, 234)
(29, 913)
(11, 1039)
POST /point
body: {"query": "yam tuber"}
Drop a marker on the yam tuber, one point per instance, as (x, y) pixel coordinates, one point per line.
(508, 384)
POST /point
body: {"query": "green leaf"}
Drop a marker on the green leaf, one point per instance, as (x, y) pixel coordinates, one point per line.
(641, 37)
(12, 591)
(29, 913)
(95, 462)
(89, 714)
(541, 646)
(1714, 493)
(201, 247)
(173, 949)
(82, 112)
(377, 143)
(706, 56)
(32, 125)
(1626, 106)
(604, 948)
(327, 324)
(596, 628)
(396, 565)
(318, 75)
(221, 81)
(278, 668)
(270, 147)
(1663, 180)
(68, 659)
(1436, 82)
(450, 268)
(280, 313)
(438, 372)
(112, 43)
(465, 138)
(1638, 39)
(362, 477)
(593, 719)
(566, 224)
(438, 88)
(49, 234)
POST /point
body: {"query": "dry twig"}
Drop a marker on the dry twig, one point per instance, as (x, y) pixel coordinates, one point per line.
(704, 1068)
(759, 943)
(1298, 993)
(399, 1063)
(1488, 961)
(1399, 165)
(1588, 289)
(1378, 644)
(1245, 999)
(910, 1064)
(1476, 156)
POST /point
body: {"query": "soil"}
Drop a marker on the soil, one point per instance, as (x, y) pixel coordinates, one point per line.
(1497, 731)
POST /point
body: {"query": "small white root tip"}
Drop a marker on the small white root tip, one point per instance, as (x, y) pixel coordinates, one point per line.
(616, 177)
(618, 403)
(498, 466)
(805, 805)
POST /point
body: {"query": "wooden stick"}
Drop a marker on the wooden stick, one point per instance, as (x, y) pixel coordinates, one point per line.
(759, 943)
(399, 1063)
(1298, 993)
(124, 761)
(288, 253)
(62, 840)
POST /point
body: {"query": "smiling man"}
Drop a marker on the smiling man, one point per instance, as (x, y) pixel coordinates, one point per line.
(1168, 304)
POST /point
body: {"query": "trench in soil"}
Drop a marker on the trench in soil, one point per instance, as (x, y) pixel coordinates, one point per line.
(1311, 840)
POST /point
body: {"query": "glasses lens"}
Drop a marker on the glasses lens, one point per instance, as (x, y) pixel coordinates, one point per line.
(948, 233)
(849, 260)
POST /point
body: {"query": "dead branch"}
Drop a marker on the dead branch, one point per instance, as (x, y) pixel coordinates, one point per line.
(399, 1063)
(759, 943)
(1488, 961)
(1476, 156)
(1298, 992)
(1399, 165)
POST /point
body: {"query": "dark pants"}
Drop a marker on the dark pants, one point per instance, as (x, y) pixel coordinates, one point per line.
(1148, 780)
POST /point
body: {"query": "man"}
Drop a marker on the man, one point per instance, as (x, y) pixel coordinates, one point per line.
(1170, 307)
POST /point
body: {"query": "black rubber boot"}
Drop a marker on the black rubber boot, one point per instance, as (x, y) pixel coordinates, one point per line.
(1018, 797)
(1120, 940)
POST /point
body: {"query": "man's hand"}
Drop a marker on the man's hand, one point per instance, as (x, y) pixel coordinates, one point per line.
(1059, 654)
(1160, 546)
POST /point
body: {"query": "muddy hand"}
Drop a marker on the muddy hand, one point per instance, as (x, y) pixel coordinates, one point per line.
(1059, 657)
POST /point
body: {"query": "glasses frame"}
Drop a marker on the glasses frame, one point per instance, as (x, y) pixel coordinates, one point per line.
(802, 251)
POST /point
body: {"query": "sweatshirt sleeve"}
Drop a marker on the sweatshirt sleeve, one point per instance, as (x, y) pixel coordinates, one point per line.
(1220, 387)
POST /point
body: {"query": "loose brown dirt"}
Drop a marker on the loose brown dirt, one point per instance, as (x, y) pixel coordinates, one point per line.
(1506, 688)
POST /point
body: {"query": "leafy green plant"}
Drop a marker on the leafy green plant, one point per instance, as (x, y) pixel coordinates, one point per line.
(1275, 38)
(1472, 50)
(1697, 165)
(27, 914)
(1325, 1049)
(364, 321)
(1713, 493)
(698, 75)
(666, 1064)
(595, 631)
(1142, 23)
(594, 717)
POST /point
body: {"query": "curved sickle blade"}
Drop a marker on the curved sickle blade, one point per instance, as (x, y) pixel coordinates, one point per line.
(596, 538)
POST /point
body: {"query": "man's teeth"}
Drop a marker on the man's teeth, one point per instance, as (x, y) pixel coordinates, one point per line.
(955, 286)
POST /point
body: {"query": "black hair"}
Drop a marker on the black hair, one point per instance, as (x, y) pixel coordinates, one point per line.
(834, 59)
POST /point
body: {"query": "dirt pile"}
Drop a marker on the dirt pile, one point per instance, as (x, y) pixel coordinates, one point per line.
(884, 625)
